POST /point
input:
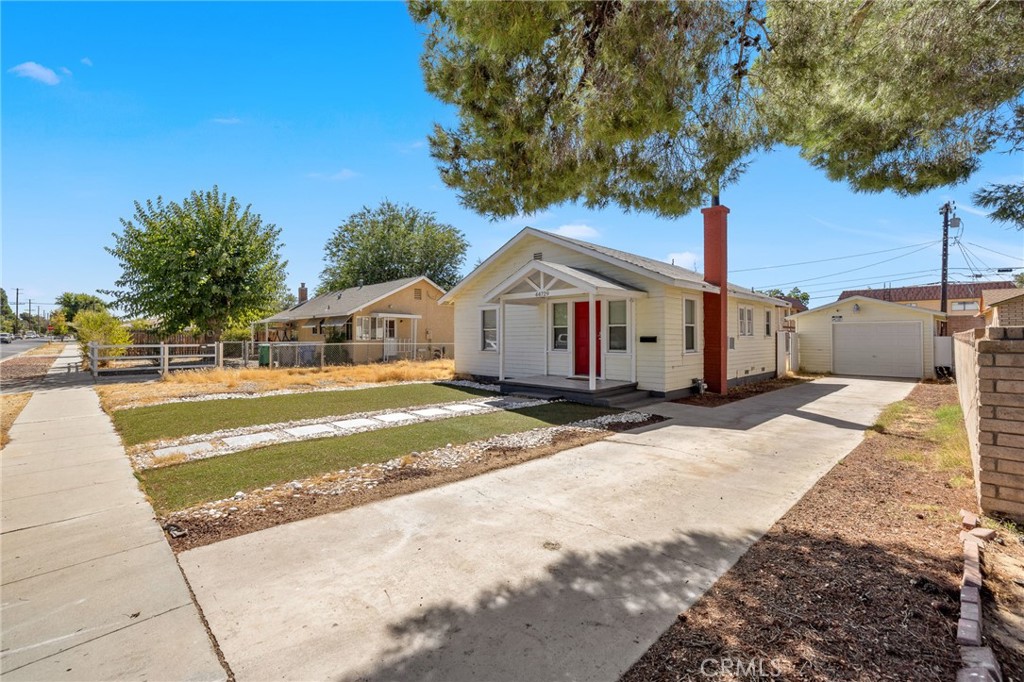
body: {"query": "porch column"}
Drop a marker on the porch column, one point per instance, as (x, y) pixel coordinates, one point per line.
(501, 339)
(632, 339)
(415, 337)
(592, 323)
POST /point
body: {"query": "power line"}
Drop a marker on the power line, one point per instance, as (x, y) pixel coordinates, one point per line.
(843, 272)
(826, 260)
(887, 279)
(995, 252)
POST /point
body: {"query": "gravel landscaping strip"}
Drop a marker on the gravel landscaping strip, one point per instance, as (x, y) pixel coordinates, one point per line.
(202, 446)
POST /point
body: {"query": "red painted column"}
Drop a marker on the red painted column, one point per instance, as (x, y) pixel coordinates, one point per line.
(716, 306)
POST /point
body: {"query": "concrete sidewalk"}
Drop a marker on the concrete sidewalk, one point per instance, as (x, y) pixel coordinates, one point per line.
(563, 568)
(91, 590)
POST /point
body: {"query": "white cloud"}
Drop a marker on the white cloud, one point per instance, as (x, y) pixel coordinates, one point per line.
(36, 72)
(576, 231)
(86, 61)
(65, 70)
(684, 259)
(233, 120)
(971, 210)
(343, 174)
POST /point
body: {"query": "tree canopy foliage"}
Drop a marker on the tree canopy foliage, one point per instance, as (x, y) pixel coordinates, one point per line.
(71, 303)
(795, 292)
(656, 105)
(391, 242)
(206, 262)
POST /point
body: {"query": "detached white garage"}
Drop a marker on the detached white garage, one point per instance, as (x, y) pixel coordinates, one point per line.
(862, 336)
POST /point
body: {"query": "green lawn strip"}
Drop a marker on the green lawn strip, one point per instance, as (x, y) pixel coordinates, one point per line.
(185, 485)
(173, 420)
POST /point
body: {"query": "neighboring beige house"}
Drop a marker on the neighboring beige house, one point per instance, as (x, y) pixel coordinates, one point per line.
(862, 336)
(1003, 307)
(963, 300)
(390, 314)
(567, 316)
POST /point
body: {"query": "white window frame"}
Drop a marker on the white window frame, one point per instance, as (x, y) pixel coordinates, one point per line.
(964, 306)
(768, 322)
(364, 328)
(484, 330)
(568, 327)
(608, 326)
(746, 320)
(690, 323)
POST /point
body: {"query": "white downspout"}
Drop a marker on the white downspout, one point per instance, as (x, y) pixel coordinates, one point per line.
(632, 338)
(501, 338)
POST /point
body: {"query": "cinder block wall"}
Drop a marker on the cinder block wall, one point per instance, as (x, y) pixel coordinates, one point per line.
(990, 380)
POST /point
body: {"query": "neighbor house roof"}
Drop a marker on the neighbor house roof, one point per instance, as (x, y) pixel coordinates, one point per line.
(656, 269)
(928, 292)
(344, 302)
(993, 297)
(874, 301)
(794, 303)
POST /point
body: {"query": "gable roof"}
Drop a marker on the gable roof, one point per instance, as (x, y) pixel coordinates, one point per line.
(873, 301)
(794, 303)
(993, 297)
(928, 292)
(346, 301)
(666, 273)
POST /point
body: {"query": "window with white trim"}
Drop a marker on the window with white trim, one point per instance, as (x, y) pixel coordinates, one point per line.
(965, 305)
(746, 320)
(617, 335)
(489, 329)
(689, 325)
(767, 323)
(363, 328)
(560, 326)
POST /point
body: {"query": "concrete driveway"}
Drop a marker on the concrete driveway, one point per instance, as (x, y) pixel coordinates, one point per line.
(562, 568)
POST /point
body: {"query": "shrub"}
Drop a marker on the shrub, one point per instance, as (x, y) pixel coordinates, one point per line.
(104, 329)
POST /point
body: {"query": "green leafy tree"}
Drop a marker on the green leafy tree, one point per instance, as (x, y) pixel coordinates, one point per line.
(71, 303)
(59, 324)
(795, 292)
(391, 242)
(5, 305)
(206, 262)
(654, 106)
(1018, 279)
(103, 328)
(892, 94)
(640, 104)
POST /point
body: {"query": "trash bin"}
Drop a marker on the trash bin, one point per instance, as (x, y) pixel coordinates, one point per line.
(264, 355)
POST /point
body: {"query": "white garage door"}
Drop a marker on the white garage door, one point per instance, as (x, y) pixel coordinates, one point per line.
(878, 349)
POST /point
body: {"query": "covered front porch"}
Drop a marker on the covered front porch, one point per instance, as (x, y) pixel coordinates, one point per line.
(583, 330)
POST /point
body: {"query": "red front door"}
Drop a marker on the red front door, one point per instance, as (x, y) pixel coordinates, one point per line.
(581, 338)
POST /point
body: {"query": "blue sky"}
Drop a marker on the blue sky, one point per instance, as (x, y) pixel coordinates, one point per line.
(311, 111)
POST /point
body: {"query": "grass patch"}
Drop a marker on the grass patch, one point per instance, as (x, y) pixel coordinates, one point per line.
(951, 436)
(891, 415)
(11, 405)
(174, 420)
(49, 348)
(261, 380)
(185, 485)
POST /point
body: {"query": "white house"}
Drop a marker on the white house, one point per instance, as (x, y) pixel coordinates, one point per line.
(550, 312)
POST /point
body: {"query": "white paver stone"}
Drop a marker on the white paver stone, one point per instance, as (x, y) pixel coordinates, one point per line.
(250, 439)
(311, 430)
(190, 449)
(431, 412)
(395, 417)
(349, 424)
(460, 407)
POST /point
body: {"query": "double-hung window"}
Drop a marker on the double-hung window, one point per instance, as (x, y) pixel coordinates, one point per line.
(363, 326)
(767, 323)
(560, 326)
(689, 325)
(489, 329)
(617, 335)
(746, 321)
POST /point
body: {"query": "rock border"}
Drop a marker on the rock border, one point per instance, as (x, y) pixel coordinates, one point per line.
(979, 662)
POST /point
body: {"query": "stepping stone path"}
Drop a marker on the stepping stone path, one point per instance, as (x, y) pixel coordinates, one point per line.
(228, 444)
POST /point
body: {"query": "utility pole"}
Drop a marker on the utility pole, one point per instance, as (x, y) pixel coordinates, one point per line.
(17, 307)
(946, 209)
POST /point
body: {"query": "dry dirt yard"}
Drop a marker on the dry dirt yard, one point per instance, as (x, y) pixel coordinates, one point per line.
(858, 581)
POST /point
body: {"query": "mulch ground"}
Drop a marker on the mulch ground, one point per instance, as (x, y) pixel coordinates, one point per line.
(740, 392)
(24, 370)
(858, 581)
(303, 504)
(1003, 600)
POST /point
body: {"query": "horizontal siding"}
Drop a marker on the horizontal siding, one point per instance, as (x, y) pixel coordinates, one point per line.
(752, 354)
(682, 368)
(814, 331)
(650, 357)
(524, 340)
(617, 366)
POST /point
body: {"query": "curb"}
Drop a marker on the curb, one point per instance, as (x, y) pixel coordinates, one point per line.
(979, 663)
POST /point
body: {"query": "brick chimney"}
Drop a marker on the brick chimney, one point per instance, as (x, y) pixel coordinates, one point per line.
(716, 306)
(303, 293)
